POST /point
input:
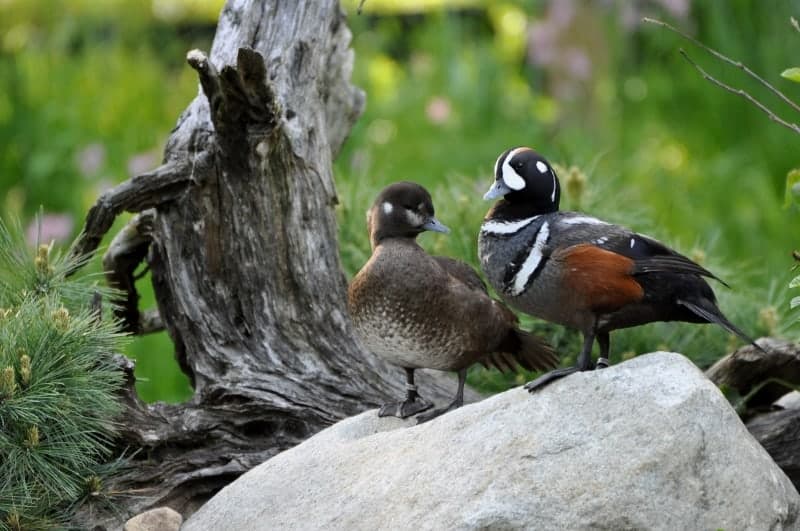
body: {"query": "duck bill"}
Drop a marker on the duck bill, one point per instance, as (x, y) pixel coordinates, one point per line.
(435, 225)
(498, 189)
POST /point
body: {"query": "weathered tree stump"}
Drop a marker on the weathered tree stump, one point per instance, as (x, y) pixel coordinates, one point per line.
(764, 376)
(749, 367)
(239, 232)
(779, 434)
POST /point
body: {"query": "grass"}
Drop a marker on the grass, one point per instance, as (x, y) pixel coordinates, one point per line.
(662, 151)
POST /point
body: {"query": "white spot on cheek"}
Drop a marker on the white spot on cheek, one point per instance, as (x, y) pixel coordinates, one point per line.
(541, 166)
(414, 219)
(510, 176)
(387, 207)
(633, 242)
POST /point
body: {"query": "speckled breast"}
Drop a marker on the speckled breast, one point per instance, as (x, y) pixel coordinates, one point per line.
(403, 322)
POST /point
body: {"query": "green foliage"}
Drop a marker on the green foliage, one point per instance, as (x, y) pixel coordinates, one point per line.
(447, 91)
(58, 385)
(792, 74)
(792, 188)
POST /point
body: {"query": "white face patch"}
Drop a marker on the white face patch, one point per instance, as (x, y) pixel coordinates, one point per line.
(582, 220)
(506, 228)
(541, 166)
(633, 242)
(531, 261)
(511, 178)
(387, 207)
(414, 219)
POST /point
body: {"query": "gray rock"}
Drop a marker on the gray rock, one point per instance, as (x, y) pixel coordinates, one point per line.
(159, 519)
(648, 444)
(789, 400)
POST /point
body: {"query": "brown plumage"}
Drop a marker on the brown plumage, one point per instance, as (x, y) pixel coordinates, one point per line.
(602, 280)
(420, 311)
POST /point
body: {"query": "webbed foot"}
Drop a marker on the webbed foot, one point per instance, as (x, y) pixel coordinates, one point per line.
(410, 406)
(425, 417)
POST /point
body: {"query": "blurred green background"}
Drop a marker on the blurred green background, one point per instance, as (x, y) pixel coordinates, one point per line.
(89, 91)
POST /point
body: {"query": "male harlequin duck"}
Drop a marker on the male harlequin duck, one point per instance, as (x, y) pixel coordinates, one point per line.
(420, 311)
(579, 271)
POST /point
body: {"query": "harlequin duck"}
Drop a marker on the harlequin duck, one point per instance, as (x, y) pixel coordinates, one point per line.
(581, 272)
(420, 311)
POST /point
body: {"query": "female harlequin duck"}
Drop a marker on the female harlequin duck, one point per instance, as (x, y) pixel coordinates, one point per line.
(420, 311)
(579, 271)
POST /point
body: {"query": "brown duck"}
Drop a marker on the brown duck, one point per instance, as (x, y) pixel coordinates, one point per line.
(417, 311)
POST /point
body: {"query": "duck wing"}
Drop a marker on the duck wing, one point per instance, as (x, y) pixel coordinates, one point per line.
(461, 271)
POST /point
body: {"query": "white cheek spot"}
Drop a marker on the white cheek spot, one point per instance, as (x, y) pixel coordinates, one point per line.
(510, 176)
(633, 242)
(414, 219)
(541, 166)
(387, 207)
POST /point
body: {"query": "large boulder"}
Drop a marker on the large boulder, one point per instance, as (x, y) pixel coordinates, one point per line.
(648, 444)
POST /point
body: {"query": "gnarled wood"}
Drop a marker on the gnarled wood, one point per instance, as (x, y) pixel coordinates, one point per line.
(779, 433)
(243, 253)
(749, 367)
(750, 371)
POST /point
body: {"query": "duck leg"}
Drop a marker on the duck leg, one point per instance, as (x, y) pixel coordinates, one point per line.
(455, 404)
(412, 405)
(604, 341)
(584, 364)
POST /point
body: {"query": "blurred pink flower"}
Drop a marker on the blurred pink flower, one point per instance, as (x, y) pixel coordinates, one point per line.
(90, 159)
(632, 12)
(577, 63)
(561, 13)
(142, 162)
(56, 227)
(438, 110)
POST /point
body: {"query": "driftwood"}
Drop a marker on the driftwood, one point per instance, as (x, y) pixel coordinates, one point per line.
(779, 433)
(749, 367)
(238, 230)
(746, 371)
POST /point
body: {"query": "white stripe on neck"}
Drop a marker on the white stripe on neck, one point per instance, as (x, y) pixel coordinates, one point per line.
(506, 227)
(531, 262)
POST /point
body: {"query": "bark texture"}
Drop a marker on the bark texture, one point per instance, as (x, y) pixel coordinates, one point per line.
(238, 229)
(759, 373)
(762, 377)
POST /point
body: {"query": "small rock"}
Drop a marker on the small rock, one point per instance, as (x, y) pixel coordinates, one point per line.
(789, 400)
(158, 519)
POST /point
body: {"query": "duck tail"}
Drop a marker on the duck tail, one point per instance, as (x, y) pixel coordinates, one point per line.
(525, 350)
(712, 314)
